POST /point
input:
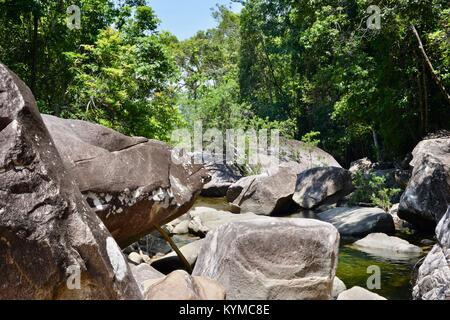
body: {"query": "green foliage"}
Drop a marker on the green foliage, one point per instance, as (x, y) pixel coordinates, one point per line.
(115, 71)
(372, 189)
(315, 62)
(53, 38)
(209, 64)
(300, 66)
(310, 139)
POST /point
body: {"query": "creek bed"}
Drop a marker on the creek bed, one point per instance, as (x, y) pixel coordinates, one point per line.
(396, 274)
(352, 267)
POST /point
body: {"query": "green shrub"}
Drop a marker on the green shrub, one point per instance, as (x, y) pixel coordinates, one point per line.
(372, 189)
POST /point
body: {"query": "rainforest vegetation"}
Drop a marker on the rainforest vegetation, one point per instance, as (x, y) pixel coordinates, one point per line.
(306, 67)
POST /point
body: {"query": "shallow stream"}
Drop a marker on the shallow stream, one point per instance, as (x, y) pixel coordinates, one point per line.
(353, 264)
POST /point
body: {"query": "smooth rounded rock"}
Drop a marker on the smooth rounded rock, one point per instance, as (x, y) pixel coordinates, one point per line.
(358, 221)
(179, 285)
(380, 244)
(358, 293)
(271, 258)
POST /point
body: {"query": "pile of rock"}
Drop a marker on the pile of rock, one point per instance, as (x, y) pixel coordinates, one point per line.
(289, 190)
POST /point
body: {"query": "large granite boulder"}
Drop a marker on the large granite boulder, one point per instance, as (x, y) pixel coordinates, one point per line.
(322, 185)
(358, 293)
(131, 183)
(179, 285)
(269, 192)
(48, 233)
(223, 175)
(291, 153)
(264, 194)
(433, 279)
(271, 258)
(358, 221)
(305, 155)
(393, 248)
(427, 195)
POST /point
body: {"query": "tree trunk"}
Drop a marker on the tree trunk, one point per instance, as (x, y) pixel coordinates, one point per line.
(421, 105)
(425, 99)
(34, 53)
(376, 144)
(429, 65)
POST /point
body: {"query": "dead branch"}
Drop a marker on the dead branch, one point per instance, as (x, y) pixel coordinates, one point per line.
(429, 65)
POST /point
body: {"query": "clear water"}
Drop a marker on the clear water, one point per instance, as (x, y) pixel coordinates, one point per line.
(395, 275)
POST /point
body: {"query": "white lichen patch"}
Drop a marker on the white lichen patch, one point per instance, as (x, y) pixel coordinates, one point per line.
(14, 125)
(159, 195)
(116, 259)
(95, 200)
(178, 187)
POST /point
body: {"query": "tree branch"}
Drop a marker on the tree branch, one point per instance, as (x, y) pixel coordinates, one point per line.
(175, 248)
(429, 65)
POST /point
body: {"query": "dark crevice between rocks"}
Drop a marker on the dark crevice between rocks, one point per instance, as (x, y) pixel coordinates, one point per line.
(4, 122)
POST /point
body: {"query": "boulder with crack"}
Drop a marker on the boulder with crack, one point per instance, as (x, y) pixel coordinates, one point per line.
(271, 258)
(433, 279)
(52, 245)
(427, 195)
(131, 183)
(264, 194)
(322, 185)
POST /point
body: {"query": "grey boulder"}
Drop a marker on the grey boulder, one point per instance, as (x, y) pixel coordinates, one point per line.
(203, 219)
(269, 190)
(264, 194)
(144, 272)
(322, 185)
(131, 183)
(306, 156)
(179, 285)
(427, 195)
(223, 175)
(393, 248)
(52, 245)
(358, 221)
(433, 279)
(358, 293)
(271, 258)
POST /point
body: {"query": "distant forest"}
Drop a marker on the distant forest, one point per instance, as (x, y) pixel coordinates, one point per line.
(307, 67)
